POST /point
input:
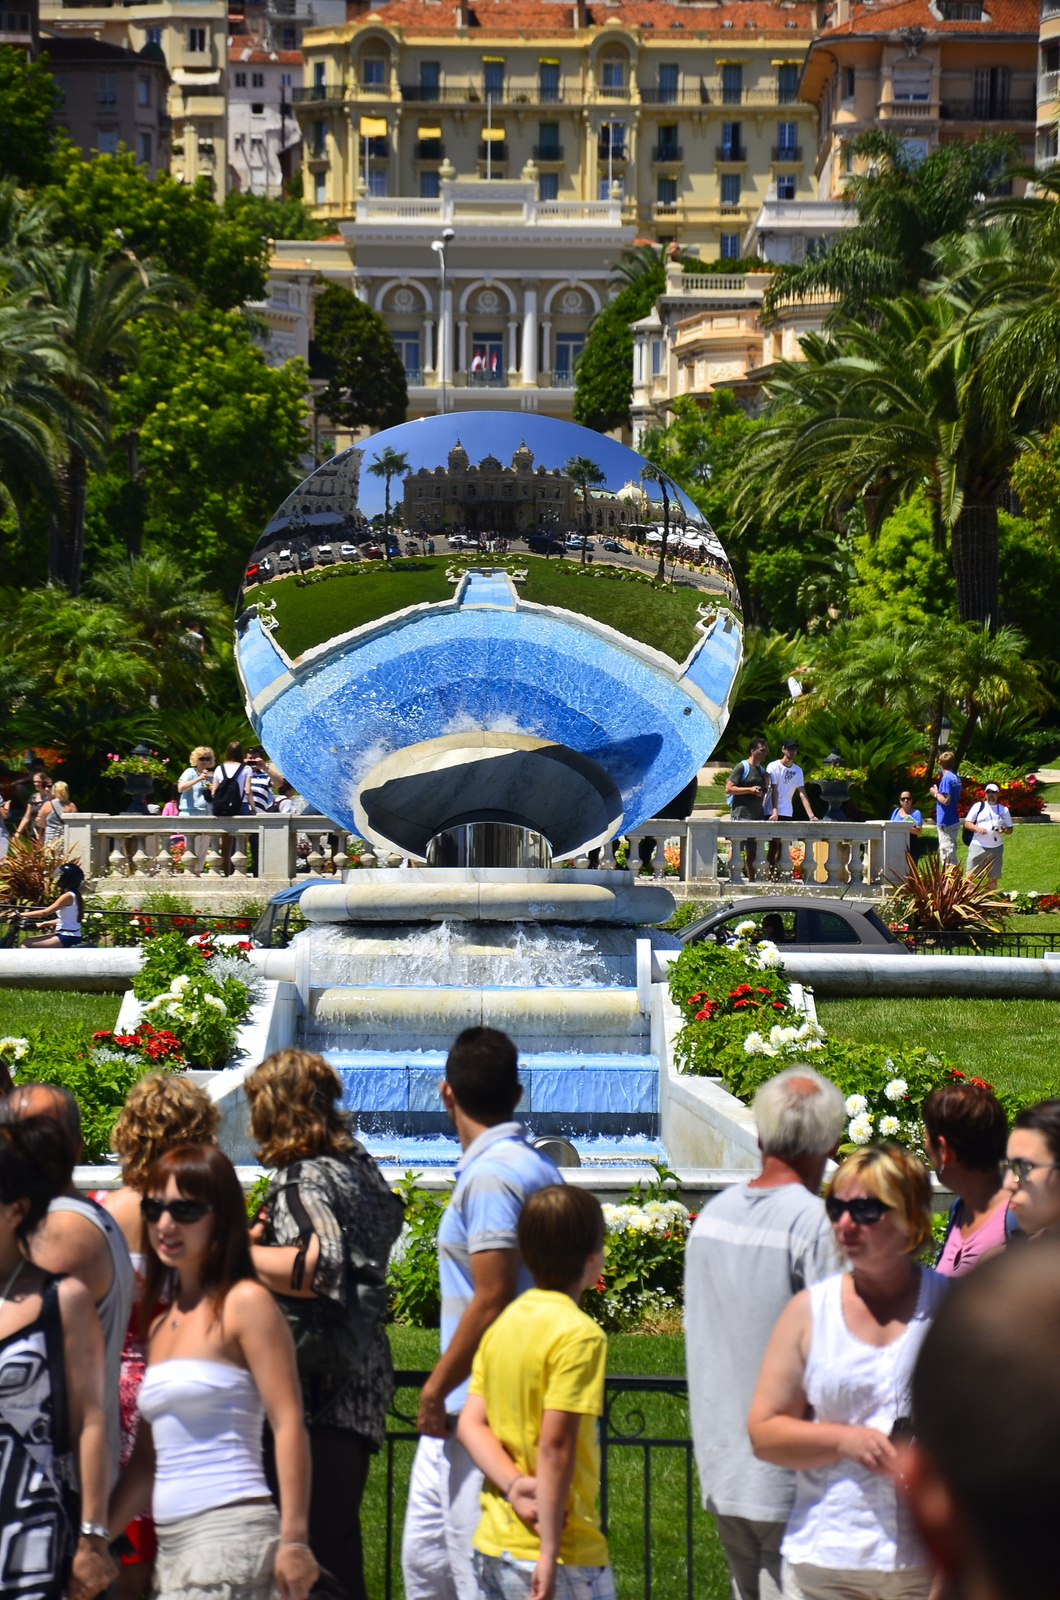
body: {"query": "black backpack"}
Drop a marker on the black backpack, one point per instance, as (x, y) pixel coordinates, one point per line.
(228, 796)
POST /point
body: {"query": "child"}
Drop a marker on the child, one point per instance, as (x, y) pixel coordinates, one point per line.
(537, 1386)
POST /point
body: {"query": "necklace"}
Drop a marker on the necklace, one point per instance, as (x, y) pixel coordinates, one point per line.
(9, 1285)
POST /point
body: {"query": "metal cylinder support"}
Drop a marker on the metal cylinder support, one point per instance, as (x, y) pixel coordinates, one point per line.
(489, 844)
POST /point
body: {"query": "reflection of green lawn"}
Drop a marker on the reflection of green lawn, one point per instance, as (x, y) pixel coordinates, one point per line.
(350, 596)
(663, 1416)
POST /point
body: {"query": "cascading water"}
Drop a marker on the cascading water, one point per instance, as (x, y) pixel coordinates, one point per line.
(509, 955)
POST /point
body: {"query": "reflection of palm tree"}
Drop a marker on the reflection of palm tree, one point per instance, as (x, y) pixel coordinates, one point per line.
(391, 464)
(584, 472)
(657, 475)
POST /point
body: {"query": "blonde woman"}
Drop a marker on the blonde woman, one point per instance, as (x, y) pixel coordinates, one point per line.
(193, 789)
(834, 1396)
(322, 1247)
(163, 1110)
(50, 816)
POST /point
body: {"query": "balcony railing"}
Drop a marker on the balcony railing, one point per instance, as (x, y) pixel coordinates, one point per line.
(730, 152)
(487, 380)
(614, 91)
(429, 150)
(976, 111)
(697, 95)
(563, 380)
(1047, 86)
(668, 152)
(318, 92)
(496, 150)
(787, 152)
(456, 94)
(548, 152)
(868, 854)
(614, 152)
(414, 377)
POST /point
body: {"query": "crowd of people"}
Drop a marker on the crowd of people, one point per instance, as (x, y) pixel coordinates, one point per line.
(195, 1397)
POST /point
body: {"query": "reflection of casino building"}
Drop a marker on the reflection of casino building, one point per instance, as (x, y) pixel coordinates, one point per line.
(490, 498)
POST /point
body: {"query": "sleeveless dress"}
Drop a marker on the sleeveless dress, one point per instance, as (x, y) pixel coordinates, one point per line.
(36, 1470)
(846, 1517)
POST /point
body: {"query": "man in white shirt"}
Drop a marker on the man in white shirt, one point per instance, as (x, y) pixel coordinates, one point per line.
(987, 821)
(785, 782)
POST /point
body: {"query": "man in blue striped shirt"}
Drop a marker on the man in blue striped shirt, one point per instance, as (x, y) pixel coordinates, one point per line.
(481, 1271)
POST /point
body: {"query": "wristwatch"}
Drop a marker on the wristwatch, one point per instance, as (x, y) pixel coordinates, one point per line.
(95, 1530)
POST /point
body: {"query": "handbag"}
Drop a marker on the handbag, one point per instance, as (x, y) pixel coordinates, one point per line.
(966, 833)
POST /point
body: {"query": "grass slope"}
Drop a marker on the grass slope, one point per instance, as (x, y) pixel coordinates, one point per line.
(661, 1416)
(1014, 1044)
(55, 1008)
(350, 596)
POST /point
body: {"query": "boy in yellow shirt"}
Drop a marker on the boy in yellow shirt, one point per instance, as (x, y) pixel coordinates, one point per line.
(529, 1422)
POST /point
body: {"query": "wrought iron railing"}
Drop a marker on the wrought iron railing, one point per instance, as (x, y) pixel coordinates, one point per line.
(624, 1427)
(933, 942)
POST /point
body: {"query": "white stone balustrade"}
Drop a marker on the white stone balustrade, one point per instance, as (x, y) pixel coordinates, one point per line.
(267, 849)
(868, 855)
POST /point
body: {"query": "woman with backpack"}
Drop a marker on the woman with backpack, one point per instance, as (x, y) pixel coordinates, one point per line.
(231, 796)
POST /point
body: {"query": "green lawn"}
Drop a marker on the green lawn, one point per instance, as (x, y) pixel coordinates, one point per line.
(663, 1416)
(25, 1008)
(1032, 857)
(351, 595)
(1014, 1044)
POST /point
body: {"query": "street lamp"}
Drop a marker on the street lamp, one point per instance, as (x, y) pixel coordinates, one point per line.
(442, 245)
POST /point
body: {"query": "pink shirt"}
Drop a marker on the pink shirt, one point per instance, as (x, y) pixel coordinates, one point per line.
(962, 1254)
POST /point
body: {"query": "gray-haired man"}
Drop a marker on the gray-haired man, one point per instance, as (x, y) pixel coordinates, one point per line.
(752, 1248)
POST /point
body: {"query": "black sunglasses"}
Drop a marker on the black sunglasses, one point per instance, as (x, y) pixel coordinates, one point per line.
(181, 1211)
(864, 1210)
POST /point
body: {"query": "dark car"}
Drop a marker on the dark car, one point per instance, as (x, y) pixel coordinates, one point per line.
(542, 544)
(611, 544)
(799, 923)
(305, 557)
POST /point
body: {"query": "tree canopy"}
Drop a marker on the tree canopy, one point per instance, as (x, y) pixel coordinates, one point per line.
(604, 370)
(354, 353)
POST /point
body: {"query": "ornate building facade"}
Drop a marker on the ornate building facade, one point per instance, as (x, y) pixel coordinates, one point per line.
(491, 498)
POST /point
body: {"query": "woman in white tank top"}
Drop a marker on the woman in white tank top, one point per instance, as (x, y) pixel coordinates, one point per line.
(220, 1360)
(835, 1392)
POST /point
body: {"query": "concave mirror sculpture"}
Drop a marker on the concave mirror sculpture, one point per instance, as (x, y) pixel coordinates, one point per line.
(529, 689)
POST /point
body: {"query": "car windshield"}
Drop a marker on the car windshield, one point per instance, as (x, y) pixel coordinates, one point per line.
(776, 926)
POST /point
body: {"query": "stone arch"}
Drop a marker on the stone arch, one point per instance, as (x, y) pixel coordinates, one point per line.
(488, 283)
(406, 283)
(571, 283)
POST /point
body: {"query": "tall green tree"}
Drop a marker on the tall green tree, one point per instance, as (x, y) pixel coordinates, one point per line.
(27, 107)
(604, 370)
(273, 219)
(390, 463)
(586, 473)
(359, 361)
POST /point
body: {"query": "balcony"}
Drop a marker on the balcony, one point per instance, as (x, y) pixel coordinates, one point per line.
(732, 153)
(614, 91)
(976, 111)
(495, 151)
(611, 152)
(414, 377)
(786, 152)
(468, 94)
(697, 95)
(563, 380)
(667, 153)
(487, 380)
(1047, 86)
(1050, 8)
(667, 210)
(318, 92)
(548, 152)
(429, 150)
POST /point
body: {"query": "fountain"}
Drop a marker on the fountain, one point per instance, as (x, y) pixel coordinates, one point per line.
(489, 718)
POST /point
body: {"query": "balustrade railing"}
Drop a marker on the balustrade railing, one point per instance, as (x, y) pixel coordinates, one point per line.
(811, 855)
(269, 847)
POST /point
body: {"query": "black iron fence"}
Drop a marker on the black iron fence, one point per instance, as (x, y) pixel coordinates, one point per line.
(929, 942)
(637, 1427)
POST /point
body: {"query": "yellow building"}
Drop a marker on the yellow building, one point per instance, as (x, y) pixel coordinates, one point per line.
(1047, 145)
(930, 71)
(689, 113)
(193, 37)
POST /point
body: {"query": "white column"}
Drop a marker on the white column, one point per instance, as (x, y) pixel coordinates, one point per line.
(530, 331)
(461, 348)
(428, 344)
(546, 345)
(445, 337)
(513, 328)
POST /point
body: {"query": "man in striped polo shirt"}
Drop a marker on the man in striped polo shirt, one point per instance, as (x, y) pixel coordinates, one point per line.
(481, 1271)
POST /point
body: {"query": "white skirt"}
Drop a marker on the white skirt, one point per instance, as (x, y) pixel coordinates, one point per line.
(224, 1554)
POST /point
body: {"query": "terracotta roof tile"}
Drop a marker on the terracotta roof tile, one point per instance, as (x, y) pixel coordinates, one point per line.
(254, 56)
(539, 17)
(888, 16)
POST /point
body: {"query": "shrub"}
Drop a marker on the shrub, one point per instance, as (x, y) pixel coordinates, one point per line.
(97, 1074)
(935, 896)
(412, 1277)
(30, 870)
(200, 991)
(642, 1285)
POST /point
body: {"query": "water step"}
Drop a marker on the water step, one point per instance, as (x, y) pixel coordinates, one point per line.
(429, 1017)
(572, 1092)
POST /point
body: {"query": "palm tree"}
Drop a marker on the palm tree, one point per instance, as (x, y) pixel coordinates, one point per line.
(657, 475)
(35, 413)
(390, 464)
(585, 473)
(99, 306)
(162, 604)
(877, 412)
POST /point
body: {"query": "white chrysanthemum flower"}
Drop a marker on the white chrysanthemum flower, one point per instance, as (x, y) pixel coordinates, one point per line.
(155, 1004)
(856, 1104)
(217, 1003)
(779, 1035)
(746, 927)
(755, 1045)
(769, 956)
(860, 1130)
(896, 1090)
(173, 1009)
(811, 1030)
(14, 1047)
(180, 983)
(890, 1127)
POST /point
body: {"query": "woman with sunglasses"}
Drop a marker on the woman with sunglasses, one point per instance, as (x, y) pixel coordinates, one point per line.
(1031, 1169)
(220, 1360)
(833, 1396)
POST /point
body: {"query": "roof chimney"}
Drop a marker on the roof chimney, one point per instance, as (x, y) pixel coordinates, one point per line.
(579, 15)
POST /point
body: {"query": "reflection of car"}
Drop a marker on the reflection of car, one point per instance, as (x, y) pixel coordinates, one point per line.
(797, 923)
(325, 554)
(305, 557)
(265, 567)
(285, 560)
(575, 541)
(457, 541)
(253, 573)
(374, 552)
(542, 544)
(610, 544)
(349, 552)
